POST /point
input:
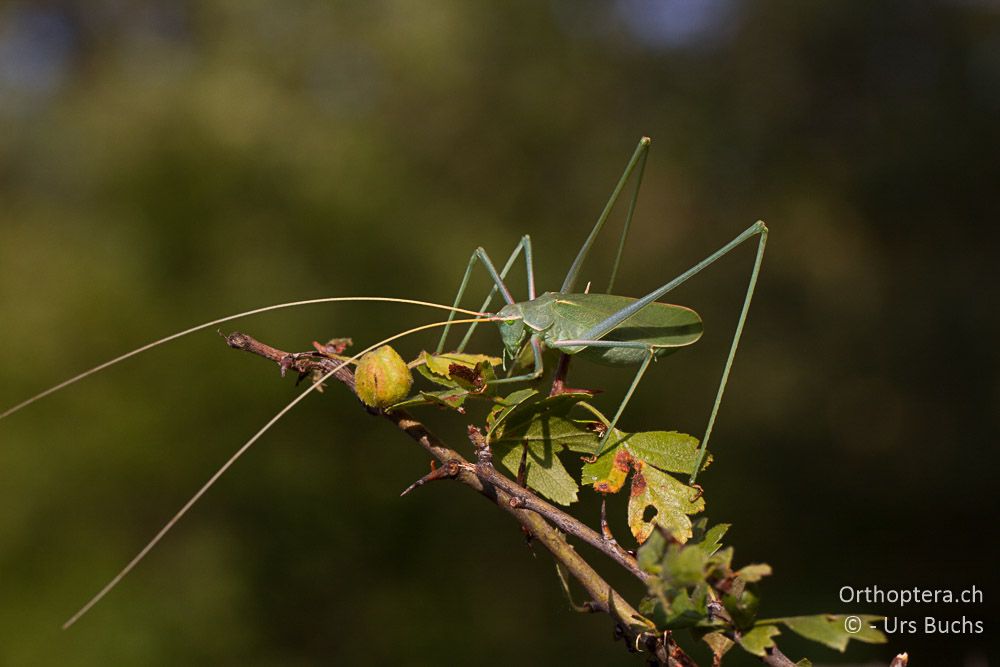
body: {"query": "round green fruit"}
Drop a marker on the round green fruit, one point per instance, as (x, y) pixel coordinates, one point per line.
(382, 378)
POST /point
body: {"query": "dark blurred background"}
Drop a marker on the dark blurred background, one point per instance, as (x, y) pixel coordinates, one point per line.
(165, 163)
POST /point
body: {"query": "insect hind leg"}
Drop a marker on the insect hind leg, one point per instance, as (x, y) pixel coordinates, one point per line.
(638, 160)
(758, 229)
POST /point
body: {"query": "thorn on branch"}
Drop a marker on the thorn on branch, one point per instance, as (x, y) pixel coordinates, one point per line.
(448, 470)
(605, 529)
(517, 502)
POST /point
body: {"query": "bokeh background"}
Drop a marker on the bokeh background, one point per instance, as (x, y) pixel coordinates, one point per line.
(165, 163)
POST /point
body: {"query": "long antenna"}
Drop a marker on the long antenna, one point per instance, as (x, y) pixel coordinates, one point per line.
(232, 459)
(100, 367)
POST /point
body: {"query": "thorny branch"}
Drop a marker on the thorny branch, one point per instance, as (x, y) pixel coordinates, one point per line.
(544, 522)
(305, 363)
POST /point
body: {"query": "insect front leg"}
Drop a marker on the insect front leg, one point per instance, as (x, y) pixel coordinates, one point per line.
(536, 372)
(480, 255)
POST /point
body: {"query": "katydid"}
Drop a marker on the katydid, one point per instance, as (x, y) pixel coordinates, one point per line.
(604, 328)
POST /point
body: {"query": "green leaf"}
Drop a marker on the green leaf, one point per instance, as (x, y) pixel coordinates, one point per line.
(670, 498)
(684, 566)
(721, 561)
(758, 640)
(687, 610)
(545, 421)
(666, 450)
(712, 539)
(742, 606)
(559, 405)
(828, 629)
(549, 430)
(504, 407)
(441, 380)
(651, 552)
(543, 425)
(754, 572)
(545, 472)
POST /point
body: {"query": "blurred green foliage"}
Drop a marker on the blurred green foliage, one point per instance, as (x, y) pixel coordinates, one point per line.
(163, 163)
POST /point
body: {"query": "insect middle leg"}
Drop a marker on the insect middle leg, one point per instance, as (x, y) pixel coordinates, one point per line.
(650, 355)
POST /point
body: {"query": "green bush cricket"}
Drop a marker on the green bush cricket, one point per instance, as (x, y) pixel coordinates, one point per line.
(605, 328)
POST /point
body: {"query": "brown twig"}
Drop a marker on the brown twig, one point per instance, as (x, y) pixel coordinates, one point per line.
(302, 363)
(522, 498)
(530, 511)
(775, 658)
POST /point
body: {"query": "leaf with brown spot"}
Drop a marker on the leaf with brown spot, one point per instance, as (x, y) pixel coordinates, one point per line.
(670, 498)
(455, 369)
(607, 473)
(667, 450)
(474, 378)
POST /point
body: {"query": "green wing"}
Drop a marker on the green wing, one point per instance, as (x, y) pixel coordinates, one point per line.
(662, 325)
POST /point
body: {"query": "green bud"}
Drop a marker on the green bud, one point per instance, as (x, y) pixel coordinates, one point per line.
(382, 378)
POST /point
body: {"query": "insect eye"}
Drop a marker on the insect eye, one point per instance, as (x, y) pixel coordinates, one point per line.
(509, 322)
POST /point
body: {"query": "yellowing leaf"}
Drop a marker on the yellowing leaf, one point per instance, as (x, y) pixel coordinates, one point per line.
(669, 499)
(454, 369)
(718, 642)
(440, 364)
(609, 471)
